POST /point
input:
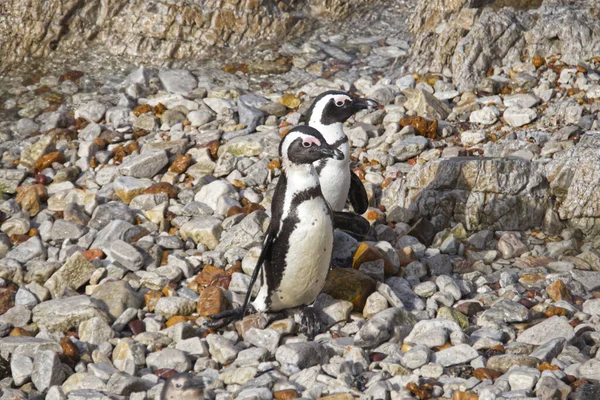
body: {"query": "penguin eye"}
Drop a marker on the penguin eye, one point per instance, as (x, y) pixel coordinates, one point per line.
(178, 385)
(339, 103)
(306, 144)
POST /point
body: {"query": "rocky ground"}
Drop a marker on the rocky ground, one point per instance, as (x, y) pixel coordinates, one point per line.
(134, 205)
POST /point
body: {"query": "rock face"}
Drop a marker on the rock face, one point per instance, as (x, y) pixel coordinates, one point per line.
(574, 180)
(482, 193)
(464, 38)
(157, 30)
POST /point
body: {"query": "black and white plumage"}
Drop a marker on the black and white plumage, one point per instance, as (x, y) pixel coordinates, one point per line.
(183, 386)
(327, 114)
(296, 254)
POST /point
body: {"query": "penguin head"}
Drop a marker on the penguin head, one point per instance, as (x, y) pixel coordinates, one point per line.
(334, 106)
(183, 386)
(305, 145)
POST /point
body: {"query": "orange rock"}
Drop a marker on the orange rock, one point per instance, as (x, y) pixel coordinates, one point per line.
(20, 332)
(458, 395)
(274, 164)
(234, 210)
(419, 392)
(69, 349)
(251, 207)
(170, 289)
(162, 187)
(425, 127)
(93, 254)
(558, 291)
(159, 109)
(181, 163)
(366, 252)
(547, 367)
(538, 61)
(151, 298)
(443, 347)
(552, 311)
(285, 394)
(486, 373)
(214, 149)
(28, 197)
(211, 301)
(142, 109)
(46, 160)
(207, 275)
(177, 319)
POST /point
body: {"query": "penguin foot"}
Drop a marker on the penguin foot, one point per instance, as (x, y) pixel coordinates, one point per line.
(310, 324)
(224, 318)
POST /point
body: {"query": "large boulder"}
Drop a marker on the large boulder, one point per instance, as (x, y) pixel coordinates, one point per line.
(465, 38)
(482, 193)
(574, 177)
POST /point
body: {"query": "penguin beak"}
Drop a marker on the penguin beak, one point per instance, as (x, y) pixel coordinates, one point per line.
(365, 104)
(332, 153)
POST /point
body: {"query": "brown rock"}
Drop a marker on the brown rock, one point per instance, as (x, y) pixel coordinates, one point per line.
(338, 396)
(7, 300)
(69, 349)
(366, 253)
(551, 311)
(136, 326)
(159, 109)
(558, 291)
(142, 109)
(208, 274)
(151, 298)
(30, 198)
(470, 308)
(258, 321)
(407, 255)
(20, 332)
(46, 160)
(350, 285)
(486, 373)
(458, 395)
(165, 373)
(548, 367)
(425, 127)
(177, 319)
(285, 394)
(538, 61)
(420, 392)
(162, 187)
(181, 163)
(211, 301)
(93, 254)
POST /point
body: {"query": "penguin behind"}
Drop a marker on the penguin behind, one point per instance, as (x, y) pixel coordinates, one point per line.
(183, 386)
(327, 114)
(296, 253)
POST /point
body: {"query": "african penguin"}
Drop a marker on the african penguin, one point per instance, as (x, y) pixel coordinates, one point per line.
(327, 114)
(183, 386)
(296, 253)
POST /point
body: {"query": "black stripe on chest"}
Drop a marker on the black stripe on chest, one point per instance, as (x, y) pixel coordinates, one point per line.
(275, 267)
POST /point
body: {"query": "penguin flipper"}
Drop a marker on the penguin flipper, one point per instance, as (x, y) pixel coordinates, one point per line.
(351, 223)
(266, 251)
(358, 194)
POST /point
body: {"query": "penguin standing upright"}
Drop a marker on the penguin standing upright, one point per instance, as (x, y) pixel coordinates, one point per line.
(327, 114)
(296, 253)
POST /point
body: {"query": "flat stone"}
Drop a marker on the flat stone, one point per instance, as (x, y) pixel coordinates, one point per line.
(169, 358)
(145, 165)
(177, 80)
(302, 354)
(61, 315)
(126, 255)
(454, 355)
(551, 328)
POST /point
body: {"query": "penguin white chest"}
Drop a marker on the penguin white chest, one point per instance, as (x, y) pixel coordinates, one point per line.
(334, 178)
(308, 258)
